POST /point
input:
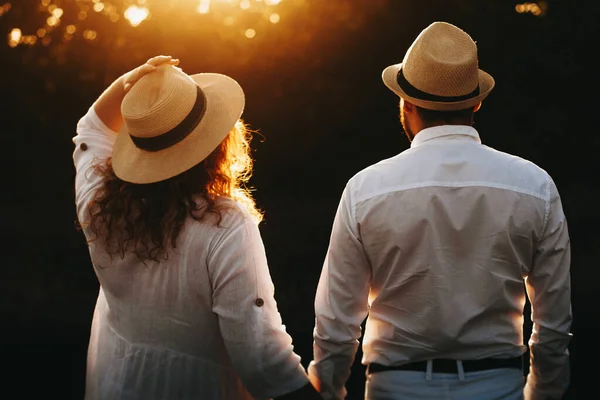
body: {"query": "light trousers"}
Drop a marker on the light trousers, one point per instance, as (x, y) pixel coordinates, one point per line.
(494, 384)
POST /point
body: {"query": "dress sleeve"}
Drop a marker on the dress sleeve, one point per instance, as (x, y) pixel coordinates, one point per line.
(250, 323)
(93, 143)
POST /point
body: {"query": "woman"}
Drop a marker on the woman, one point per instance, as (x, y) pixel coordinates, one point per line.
(186, 307)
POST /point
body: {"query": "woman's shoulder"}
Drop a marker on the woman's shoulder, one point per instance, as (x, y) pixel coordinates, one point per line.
(226, 212)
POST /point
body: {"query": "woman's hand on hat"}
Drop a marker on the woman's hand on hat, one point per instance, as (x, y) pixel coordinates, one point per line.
(130, 78)
(108, 105)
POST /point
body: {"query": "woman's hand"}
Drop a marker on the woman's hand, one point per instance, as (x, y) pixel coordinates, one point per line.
(131, 77)
(108, 105)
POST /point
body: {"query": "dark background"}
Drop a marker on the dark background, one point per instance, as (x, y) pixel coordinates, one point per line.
(314, 92)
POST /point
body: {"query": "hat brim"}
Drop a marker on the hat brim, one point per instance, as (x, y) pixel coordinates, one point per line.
(390, 79)
(225, 103)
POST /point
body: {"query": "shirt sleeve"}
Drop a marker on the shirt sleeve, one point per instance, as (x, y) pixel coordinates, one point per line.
(93, 143)
(549, 291)
(341, 304)
(243, 299)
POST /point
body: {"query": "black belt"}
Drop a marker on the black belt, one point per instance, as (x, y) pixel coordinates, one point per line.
(450, 366)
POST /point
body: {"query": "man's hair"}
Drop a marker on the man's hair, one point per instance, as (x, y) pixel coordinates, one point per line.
(435, 117)
(146, 219)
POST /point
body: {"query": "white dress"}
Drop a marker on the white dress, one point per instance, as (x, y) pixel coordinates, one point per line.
(203, 324)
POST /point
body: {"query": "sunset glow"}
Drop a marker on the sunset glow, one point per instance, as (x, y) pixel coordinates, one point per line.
(243, 18)
(135, 15)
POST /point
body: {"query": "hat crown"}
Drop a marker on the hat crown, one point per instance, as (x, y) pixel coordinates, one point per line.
(158, 102)
(442, 61)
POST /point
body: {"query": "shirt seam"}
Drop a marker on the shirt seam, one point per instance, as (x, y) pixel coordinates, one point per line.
(419, 185)
(546, 212)
(352, 208)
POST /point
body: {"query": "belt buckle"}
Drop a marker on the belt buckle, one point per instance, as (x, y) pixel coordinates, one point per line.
(442, 365)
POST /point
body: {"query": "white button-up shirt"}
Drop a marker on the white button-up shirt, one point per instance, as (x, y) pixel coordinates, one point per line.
(202, 324)
(439, 246)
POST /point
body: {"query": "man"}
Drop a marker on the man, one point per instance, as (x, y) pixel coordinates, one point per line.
(439, 246)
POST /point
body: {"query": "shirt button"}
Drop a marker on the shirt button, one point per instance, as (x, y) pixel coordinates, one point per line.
(259, 302)
(83, 146)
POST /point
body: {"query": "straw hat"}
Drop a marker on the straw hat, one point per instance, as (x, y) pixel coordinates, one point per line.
(440, 71)
(173, 121)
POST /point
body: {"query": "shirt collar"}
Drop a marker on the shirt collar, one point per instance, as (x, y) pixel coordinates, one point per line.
(436, 132)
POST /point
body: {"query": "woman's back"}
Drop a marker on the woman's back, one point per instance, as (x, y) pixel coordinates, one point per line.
(155, 323)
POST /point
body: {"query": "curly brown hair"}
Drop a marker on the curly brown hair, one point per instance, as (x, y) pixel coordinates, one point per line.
(146, 219)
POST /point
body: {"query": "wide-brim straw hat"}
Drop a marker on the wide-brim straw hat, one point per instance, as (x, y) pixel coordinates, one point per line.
(440, 71)
(172, 122)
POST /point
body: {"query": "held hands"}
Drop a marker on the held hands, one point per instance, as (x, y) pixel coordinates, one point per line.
(131, 77)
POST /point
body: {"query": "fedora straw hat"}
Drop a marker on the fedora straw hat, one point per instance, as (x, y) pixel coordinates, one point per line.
(173, 121)
(440, 71)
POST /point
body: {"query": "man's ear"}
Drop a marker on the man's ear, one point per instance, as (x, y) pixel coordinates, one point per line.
(407, 106)
(477, 107)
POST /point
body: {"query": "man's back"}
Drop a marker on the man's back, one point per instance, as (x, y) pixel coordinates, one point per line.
(450, 228)
(439, 247)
